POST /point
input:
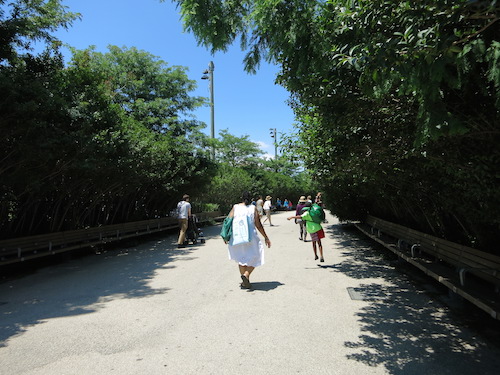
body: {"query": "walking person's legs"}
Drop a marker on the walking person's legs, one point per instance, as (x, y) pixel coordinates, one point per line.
(245, 272)
(315, 251)
(268, 216)
(183, 224)
(321, 259)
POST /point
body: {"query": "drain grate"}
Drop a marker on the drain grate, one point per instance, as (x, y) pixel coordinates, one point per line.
(366, 294)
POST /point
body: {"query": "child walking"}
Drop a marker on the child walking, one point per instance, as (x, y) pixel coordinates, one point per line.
(314, 229)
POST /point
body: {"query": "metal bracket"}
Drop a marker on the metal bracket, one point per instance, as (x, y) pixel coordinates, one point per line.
(413, 248)
(461, 273)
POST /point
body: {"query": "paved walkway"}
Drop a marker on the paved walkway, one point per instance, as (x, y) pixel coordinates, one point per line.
(154, 309)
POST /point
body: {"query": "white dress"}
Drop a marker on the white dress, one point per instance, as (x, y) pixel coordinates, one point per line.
(250, 253)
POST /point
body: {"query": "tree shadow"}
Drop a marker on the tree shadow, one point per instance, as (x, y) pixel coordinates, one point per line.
(84, 285)
(361, 258)
(403, 328)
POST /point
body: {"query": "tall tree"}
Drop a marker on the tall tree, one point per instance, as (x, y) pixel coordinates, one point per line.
(237, 151)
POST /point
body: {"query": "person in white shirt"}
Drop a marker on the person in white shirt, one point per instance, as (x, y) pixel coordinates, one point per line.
(267, 210)
(183, 213)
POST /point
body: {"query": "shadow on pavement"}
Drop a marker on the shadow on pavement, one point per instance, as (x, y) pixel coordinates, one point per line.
(402, 327)
(84, 285)
(265, 286)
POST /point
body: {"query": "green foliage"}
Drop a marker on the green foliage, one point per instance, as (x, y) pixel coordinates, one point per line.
(240, 169)
(145, 87)
(84, 146)
(236, 151)
(398, 102)
(24, 21)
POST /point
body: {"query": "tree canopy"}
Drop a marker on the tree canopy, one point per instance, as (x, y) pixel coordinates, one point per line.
(397, 101)
(105, 139)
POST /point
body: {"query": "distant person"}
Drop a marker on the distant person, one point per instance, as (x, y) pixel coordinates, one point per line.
(314, 229)
(183, 214)
(302, 224)
(259, 204)
(286, 205)
(250, 254)
(278, 204)
(319, 201)
(319, 198)
(309, 199)
(267, 210)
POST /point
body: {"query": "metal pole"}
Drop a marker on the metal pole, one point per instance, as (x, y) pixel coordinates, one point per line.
(275, 145)
(273, 135)
(210, 77)
(212, 121)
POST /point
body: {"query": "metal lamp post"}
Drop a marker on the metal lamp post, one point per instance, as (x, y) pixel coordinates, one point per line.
(273, 135)
(210, 77)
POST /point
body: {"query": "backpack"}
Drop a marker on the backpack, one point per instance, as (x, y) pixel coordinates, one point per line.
(317, 213)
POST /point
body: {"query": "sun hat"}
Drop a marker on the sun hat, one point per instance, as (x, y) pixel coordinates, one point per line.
(302, 199)
(268, 197)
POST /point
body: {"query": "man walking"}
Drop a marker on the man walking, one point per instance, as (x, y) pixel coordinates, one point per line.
(183, 213)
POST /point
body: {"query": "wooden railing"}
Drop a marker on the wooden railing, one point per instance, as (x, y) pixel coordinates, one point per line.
(446, 261)
(25, 248)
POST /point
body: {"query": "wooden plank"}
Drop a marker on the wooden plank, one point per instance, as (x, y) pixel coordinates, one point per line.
(479, 263)
(487, 305)
(30, 247)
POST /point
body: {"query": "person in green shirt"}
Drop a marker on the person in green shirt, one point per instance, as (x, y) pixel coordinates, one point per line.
(315, 230)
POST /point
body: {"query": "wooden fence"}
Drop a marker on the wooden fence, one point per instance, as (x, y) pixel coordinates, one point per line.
(24, 248)
(447, 262)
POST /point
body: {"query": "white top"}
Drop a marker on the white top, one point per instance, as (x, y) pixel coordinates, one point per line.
(267, 205)
(183, 209)
(250, 253)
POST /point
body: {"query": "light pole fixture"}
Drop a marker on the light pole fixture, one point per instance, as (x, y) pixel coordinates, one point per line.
(272, 131)
(209, 74)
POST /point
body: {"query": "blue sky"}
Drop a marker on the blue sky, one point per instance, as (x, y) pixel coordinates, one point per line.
(244, 104)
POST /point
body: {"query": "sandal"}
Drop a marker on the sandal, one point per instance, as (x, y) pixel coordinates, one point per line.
(246, 283)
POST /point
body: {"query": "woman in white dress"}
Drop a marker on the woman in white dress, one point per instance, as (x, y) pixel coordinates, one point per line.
(249, 254)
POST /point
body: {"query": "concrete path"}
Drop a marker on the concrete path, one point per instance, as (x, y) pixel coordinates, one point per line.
(154, 309)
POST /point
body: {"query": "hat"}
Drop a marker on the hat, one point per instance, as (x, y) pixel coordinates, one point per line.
(302, 199)
(268, 198)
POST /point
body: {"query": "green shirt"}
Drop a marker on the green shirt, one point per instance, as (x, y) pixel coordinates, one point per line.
(311, 226)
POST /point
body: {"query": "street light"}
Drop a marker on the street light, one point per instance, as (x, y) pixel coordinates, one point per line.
(210, 77)
(273, 135)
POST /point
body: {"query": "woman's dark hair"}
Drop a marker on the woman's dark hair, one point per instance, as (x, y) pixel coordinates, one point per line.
(245, 197)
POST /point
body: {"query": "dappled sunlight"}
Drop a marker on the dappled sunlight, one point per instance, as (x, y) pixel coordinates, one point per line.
(359, 258)
(402, 329)
(408, 338)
